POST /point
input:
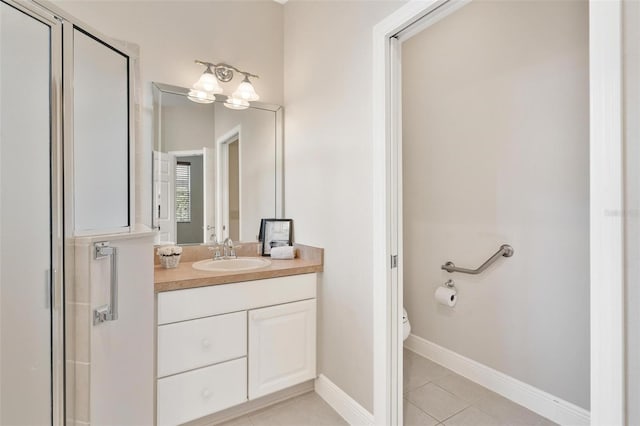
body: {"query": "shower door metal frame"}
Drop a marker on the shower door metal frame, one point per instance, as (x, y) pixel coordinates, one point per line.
(56, 205)
(607, 206)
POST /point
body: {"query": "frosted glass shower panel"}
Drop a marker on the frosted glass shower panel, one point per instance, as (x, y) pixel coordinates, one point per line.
(101, 136)
(25, 219)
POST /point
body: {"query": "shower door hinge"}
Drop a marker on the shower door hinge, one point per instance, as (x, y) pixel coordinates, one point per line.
(394, 261)
(48, 289)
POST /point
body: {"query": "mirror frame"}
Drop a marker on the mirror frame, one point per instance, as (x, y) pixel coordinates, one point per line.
(279, 145)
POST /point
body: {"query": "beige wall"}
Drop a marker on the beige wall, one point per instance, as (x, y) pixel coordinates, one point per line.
(328, 167)
(631, 41)
(185, 125)
(495, 149)
(171, 34)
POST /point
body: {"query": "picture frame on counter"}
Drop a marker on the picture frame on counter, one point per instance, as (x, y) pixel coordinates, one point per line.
(275, 233)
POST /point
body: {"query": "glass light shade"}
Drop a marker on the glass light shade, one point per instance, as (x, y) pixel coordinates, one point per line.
(246, 91)
(201, 96)
(236, 103)
(208, 83)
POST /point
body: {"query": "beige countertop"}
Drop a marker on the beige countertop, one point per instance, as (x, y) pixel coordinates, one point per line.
(308, 260)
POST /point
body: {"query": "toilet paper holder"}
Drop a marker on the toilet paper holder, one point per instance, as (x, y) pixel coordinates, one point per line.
(447, 294)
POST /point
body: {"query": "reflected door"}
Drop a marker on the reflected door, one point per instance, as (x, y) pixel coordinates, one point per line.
(25, 219)
(164, 179)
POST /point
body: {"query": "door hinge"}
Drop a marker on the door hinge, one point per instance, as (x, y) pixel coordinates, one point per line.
(394, 261)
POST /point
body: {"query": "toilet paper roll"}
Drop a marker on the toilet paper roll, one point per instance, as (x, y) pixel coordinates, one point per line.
(446, 296)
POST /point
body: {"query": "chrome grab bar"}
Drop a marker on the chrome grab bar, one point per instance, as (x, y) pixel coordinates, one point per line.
(108, 312)
(505, 251)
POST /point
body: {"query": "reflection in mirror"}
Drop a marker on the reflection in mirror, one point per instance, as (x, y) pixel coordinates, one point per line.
(216, 171)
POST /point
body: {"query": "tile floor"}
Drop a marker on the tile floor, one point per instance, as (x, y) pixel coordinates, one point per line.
(305, 410)
(433, 395)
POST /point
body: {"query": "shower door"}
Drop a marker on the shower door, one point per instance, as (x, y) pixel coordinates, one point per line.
(29, 235)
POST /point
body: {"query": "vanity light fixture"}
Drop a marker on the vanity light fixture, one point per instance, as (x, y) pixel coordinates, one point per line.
(205, 89)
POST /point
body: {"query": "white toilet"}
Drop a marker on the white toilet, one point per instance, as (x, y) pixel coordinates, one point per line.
(406, 325)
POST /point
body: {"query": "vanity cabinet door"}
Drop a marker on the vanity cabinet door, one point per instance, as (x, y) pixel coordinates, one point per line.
(282, 346)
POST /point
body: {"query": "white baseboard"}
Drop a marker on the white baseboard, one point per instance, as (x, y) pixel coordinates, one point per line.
(354, 413)
(536, 400)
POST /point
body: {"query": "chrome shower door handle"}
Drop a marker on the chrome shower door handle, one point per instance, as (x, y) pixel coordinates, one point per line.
(108, 312)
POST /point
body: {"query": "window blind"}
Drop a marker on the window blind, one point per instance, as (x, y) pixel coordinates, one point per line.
(183, 192)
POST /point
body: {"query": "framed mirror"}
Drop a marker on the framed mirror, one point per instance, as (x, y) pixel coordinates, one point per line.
(216, 171)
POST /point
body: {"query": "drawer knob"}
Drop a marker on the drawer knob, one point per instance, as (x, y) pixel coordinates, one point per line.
(206, 393)
(206, 343)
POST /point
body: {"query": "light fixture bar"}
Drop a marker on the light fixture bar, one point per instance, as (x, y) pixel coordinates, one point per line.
(205, 89)
(227, 66)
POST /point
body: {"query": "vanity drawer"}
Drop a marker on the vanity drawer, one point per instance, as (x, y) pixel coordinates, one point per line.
(197, 393)
(197, 343)
(181, 305)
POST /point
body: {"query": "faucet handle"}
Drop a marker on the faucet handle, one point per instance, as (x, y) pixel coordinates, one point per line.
(229, 250)
(216, 250)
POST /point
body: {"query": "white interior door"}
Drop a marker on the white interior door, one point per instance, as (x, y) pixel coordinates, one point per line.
(209, 194)
(164, 166)
(25, 219)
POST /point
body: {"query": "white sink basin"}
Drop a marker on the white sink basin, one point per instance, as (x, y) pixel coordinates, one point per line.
(232, 265)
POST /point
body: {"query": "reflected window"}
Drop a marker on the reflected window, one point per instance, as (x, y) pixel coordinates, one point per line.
(183, 192)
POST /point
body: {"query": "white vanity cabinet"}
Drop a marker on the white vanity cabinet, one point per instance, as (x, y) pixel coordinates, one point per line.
(221, 345)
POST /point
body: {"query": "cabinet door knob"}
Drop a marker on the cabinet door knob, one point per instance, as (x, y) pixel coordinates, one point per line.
(206, 393)
(206, 343)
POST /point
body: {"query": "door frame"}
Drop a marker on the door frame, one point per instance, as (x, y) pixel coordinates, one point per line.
(222, 181)
(208, 194)
(606, 206)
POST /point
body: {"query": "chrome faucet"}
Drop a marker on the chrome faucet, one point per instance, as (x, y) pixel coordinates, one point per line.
(215, 248)
(228, 249)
